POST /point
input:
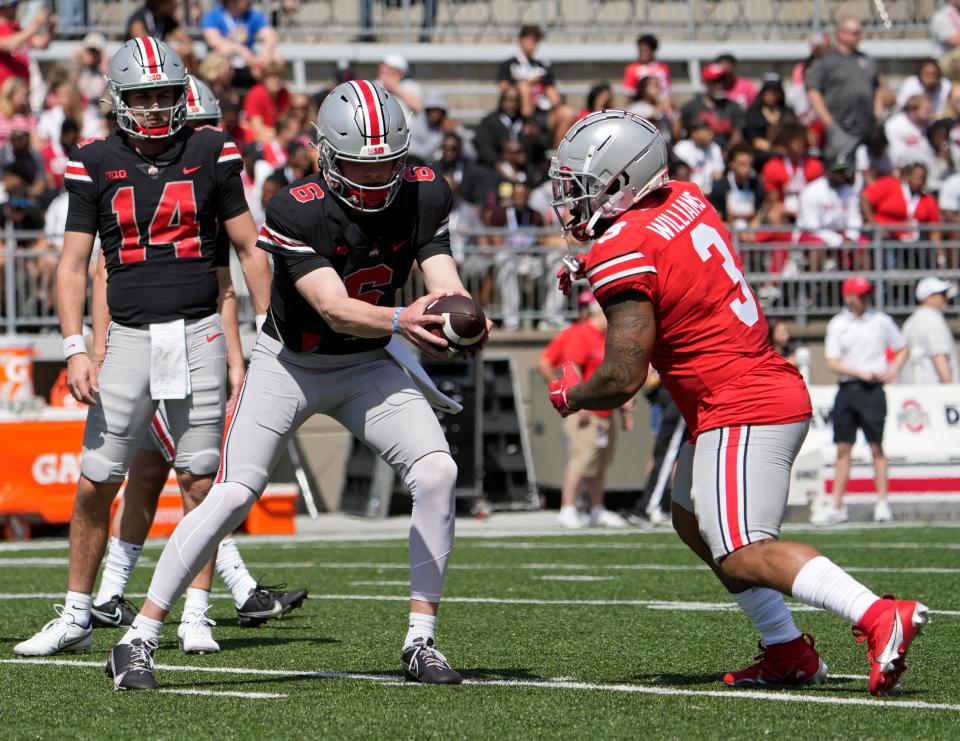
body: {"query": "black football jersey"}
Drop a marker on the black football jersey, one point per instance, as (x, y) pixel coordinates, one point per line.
(308, 228)
(157, 220)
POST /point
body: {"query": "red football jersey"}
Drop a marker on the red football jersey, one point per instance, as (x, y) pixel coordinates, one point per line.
(711, 347)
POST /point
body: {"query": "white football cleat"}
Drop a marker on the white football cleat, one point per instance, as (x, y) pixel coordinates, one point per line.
(829, 515)
(606, 518)
(60, 635)
(882, 512)
(195, 635)
(571, 519)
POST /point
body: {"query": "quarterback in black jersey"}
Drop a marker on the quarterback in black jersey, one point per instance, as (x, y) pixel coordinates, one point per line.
(342, 242)
(153, 192)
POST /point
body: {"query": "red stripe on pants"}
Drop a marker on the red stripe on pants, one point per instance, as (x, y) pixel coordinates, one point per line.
(733, 493)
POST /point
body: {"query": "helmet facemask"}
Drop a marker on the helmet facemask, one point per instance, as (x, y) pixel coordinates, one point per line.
(127, 118)
(590, 199)
(363, 198)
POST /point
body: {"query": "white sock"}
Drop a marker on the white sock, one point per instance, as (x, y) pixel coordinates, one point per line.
(143, 628)
(76, 606)
(570, 509)
(121, 558)
(198, 600)
(821, 583)
(421, 626)
(769, 614)
(234, 572)
(597, 510)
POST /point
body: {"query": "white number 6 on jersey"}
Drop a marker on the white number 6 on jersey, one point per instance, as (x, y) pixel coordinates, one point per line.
(704, 237)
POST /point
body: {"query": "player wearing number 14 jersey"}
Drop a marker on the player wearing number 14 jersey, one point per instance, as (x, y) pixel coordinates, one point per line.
(675, 297)
(154, 192)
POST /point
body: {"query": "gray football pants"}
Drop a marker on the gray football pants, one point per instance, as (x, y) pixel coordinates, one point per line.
(736, 481)
(370, 395)
(119, 421)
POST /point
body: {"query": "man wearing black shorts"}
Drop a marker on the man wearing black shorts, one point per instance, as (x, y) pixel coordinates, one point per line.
(856, 348)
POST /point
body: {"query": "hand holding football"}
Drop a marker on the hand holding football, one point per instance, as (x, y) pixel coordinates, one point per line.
(463, 323)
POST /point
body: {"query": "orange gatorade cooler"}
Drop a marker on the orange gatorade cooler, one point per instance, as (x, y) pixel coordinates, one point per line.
(16, 369)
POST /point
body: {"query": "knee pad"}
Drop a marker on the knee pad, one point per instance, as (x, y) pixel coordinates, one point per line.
(202, 463)
(99, 470)
(435, 472)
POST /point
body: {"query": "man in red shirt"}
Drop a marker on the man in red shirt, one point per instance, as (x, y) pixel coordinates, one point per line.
(266, 101)
(784, 175)
(903, 200)
(14, 41)
(646, 66)
(675, 296)
(591, 435)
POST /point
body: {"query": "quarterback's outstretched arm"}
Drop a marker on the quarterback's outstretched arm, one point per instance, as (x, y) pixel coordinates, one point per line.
(253, 261)
(325, 291)
(631, 330)
(440, 274)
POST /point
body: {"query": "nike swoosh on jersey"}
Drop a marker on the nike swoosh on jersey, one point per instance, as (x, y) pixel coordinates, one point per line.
(189, 170)
(212, 337)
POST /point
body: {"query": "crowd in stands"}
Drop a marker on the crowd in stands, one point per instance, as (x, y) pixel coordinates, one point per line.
(801, 166)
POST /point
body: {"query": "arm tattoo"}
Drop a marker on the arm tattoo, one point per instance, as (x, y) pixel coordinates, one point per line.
(631, 329)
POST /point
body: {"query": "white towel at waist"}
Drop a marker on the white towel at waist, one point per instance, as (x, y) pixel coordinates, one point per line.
(169, 369)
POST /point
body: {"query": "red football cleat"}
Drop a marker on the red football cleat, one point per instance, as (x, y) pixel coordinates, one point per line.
(889, 627)
(792, 663)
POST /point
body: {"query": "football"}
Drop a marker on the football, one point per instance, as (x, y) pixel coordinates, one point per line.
(463, 323)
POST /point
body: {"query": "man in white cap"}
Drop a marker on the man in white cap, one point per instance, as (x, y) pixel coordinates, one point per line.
(392, 75)
(933, 350)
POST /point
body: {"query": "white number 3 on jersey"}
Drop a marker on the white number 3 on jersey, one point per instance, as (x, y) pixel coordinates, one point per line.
(704, 237)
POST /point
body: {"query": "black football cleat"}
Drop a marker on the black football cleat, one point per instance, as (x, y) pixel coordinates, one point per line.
(269, 603)
(423, 663)
(130, 665)
(115, 613)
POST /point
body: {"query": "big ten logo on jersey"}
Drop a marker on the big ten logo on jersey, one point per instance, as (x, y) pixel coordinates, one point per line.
(307, 193)
(366, 284)
(418, 174)
(174, 222)
(89, 140)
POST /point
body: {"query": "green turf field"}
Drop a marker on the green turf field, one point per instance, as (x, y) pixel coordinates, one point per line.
(576, 636)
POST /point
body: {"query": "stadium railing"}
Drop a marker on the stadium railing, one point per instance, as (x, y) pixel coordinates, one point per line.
(799, 281)
(474, 20)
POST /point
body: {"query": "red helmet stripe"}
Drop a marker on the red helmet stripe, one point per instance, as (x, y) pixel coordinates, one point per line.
(193, 96)
(370, 102)
(150, 51)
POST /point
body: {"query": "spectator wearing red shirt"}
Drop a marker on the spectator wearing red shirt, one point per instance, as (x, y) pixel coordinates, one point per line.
(14, 41)
(739, 89)
(56, 152)
(646, 66)
(266, 101)
(231, 123)
(785, 175)
(591, 436)
(599, 98)
(904, 201)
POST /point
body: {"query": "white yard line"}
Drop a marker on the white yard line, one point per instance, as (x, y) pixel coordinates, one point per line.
(678, 605)
(384, 583)
(216, 693)
(560, 684)
(393, 538)
(572, 577)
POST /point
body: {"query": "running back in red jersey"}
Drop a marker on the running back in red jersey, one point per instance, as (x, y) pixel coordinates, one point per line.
(711, 347)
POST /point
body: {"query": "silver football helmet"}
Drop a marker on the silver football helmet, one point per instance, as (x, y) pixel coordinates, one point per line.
(360, 122)
(606, 163)
(202, 105)
(143, 63)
